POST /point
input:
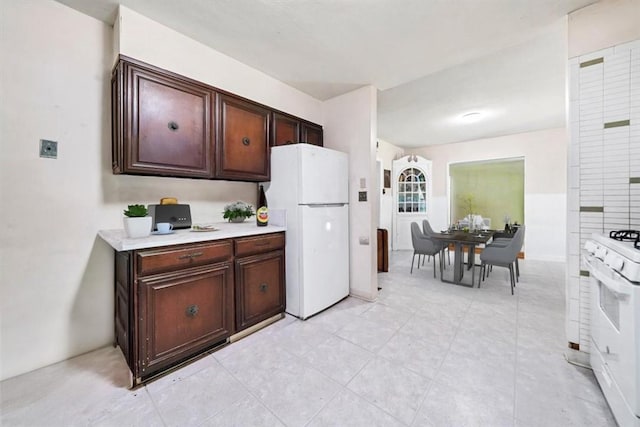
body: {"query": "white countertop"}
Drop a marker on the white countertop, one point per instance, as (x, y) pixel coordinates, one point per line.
(224, 230)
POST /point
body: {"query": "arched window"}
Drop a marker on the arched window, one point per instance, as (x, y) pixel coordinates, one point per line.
(412, 191)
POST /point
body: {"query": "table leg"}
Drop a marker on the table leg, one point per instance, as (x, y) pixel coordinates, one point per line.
(472, 263)
(458, 263)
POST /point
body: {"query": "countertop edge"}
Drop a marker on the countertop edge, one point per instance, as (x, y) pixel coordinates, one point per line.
(118, 240)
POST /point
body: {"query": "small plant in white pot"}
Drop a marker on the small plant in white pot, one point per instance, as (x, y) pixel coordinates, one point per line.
(137, 223)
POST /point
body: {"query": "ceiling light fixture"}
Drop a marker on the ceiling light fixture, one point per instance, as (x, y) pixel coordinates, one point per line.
(471, 117)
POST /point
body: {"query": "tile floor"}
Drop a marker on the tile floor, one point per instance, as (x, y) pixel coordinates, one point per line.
(425, 354)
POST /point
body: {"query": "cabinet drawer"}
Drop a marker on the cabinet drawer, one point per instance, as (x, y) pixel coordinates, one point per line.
(157, 261)
(259, 244)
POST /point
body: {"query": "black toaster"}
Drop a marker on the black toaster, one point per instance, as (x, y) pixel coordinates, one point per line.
(178, 215)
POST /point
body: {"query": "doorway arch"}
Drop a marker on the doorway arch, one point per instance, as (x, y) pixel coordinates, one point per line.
(412, 197)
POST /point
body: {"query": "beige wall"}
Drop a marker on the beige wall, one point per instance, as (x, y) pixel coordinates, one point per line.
(56, 287)
(545, 156)
(544, 152)
(144, 39)
(386, 154)
(603, 24)
(350, 126)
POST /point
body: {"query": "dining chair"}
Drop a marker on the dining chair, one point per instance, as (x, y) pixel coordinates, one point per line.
(424, 245)
(505, 241)
(426, 229)
(501, 256)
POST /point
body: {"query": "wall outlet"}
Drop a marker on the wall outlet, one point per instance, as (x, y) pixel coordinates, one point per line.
(362, 196)
(364, 240)
(48, 149)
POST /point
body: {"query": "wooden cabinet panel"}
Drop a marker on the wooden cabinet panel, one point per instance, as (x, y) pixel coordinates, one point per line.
(184, 312)
(260, 291)
(167, 124)
(173, 303)
(123, 311)
(242, 149)
(311, 134)
(285, 130)
(160, 260)
(259, 244)
(164, 124)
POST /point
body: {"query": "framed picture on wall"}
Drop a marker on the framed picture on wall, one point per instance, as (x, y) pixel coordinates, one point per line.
(387, 178)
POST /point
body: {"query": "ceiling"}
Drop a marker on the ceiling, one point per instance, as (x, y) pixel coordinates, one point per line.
(432, 60)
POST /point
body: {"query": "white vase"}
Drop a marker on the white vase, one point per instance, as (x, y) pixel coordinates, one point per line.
(137, 226)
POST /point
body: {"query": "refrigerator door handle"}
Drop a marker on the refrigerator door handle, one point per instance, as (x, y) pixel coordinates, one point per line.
(323, 205)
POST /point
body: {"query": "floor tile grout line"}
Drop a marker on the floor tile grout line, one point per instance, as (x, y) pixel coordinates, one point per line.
(346, 387)
(437, 374)
(248, 390)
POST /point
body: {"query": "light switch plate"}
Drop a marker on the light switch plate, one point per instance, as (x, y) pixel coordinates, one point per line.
(48, 149)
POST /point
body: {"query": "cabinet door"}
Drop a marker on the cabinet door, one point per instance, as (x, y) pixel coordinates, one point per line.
(260, 288)
(285, 130)
(242, 151)
(311, 134)
(169, 125)
(182, 313)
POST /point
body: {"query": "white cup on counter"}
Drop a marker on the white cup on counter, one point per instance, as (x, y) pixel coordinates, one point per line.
(164, 227)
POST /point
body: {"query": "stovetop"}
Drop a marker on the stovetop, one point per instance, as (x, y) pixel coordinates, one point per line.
(620, 256)
(625, 248)
(626, 236)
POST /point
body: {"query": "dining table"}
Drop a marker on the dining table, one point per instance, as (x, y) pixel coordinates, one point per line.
(461, 240)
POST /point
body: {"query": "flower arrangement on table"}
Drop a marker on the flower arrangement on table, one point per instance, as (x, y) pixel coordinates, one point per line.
(238, 211)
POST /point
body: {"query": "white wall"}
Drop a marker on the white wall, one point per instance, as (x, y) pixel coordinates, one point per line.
(146, 40)
(386, 154)
(56, 287)
(350, 126)
(545, 154)
(603, 24)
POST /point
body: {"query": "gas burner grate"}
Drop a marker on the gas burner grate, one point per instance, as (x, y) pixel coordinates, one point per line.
(625, 235)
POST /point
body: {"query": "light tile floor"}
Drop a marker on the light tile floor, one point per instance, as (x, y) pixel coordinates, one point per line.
(425, 354)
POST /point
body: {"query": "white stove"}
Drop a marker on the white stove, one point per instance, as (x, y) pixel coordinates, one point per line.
(614, 269)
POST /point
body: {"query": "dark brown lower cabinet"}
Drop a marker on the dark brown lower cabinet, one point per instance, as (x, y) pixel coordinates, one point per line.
(259, 288)
(175, 302)
(184, 312)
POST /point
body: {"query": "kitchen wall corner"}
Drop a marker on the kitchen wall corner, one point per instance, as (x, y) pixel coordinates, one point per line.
(350, 126)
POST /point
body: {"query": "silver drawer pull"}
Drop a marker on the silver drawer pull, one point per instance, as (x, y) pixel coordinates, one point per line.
(263, 287)
(191, 311)
(191, 256)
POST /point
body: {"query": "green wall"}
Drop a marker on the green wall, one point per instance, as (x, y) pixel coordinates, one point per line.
(494, 188)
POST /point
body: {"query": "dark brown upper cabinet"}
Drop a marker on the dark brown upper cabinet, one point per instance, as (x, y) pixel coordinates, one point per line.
(285, 130)
(242, 149)
(311, 134)
(162, 123)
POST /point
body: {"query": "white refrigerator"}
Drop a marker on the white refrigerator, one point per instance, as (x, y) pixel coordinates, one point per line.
(312, 184)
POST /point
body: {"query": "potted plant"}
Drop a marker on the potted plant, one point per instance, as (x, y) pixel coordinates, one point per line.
(238, 211)
(137, 223)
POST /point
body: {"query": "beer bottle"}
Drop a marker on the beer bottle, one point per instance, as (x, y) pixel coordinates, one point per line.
(262, 213)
